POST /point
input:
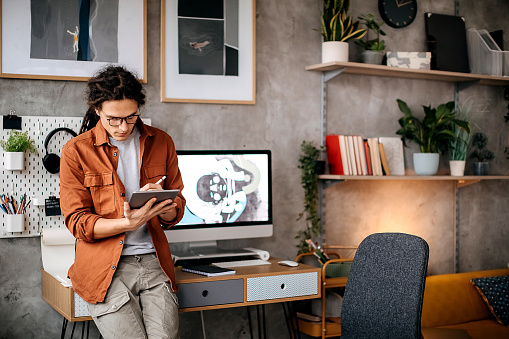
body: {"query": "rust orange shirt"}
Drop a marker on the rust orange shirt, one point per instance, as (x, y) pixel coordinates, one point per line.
(91, 189)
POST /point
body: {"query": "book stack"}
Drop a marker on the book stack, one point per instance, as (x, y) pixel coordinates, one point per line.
(355, 155)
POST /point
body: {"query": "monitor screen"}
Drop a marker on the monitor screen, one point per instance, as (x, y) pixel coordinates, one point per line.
(228, 195)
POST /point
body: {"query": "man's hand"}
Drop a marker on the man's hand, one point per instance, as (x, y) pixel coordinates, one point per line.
(138, 217)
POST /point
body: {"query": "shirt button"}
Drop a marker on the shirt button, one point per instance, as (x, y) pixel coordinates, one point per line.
(121, 242)
(114, 154)
(114, 307)
(123, 194)
(113, 267)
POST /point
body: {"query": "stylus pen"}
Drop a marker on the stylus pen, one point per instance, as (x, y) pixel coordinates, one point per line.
(161, 180)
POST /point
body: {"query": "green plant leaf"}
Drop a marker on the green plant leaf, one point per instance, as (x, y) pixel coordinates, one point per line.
(18, 142)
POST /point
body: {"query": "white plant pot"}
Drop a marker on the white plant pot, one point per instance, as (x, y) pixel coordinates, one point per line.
(14, 161)
(334, 51)
(457, 167)
(426, 163)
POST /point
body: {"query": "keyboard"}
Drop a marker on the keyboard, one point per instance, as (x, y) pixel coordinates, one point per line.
(240, 263)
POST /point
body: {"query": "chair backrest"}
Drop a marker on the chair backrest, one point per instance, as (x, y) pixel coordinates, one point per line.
(384, 292)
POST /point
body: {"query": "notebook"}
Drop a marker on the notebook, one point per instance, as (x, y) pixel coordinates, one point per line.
(209, 271)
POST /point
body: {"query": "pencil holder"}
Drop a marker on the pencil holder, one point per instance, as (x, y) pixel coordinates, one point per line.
(15, 222)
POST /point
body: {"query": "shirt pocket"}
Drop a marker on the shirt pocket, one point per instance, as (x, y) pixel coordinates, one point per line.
(102, 191)
(154, 173)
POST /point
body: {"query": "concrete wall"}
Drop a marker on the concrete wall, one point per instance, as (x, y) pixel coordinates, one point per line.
(287, 111)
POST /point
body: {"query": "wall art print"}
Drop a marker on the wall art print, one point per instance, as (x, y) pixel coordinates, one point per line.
(208, 51)
(71, 39)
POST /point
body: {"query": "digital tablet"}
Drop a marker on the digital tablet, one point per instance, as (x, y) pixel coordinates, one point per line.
(140, 198)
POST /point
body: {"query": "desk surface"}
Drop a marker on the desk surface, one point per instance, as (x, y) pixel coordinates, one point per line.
(246, 271)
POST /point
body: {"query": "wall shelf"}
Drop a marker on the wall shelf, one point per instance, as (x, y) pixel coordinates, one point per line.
(396, 72)
(460, 181)
(460, 80)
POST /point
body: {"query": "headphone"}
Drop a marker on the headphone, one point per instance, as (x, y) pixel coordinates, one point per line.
(51, 161)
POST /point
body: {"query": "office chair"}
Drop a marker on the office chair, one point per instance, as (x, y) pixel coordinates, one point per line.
(385, 288)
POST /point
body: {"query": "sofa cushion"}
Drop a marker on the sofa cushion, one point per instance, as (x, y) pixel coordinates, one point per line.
(495, 292)
(451, 299)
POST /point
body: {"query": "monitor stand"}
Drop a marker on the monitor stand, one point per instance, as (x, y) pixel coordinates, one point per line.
(209, 252)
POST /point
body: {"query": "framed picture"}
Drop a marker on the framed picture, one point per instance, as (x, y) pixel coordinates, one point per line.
(72, 40)
(208, 51)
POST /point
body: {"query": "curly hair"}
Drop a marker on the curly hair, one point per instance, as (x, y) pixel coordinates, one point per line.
(111, 83)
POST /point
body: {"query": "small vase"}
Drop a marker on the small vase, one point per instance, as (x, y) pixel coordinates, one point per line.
(426, 163)
(372, 57)
(481, 168)
(14, 161)
(334, 51)
(457, 167)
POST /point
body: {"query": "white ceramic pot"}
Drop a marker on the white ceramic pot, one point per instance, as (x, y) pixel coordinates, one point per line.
(457, 167)
(14, 161)
(334, 51)
(426, 163)
(372, 57)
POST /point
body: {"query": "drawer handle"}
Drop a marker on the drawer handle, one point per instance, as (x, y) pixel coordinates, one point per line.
(283, 286)
(205, 293)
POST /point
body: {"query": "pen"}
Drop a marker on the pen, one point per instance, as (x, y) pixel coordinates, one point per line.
(161, 180)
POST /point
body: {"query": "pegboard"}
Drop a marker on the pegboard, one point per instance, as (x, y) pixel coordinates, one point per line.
(35, 180)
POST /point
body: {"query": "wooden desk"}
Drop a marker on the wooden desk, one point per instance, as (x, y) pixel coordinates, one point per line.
(251, 285)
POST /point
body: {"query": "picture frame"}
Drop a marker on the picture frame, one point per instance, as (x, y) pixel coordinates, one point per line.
(208, 51)
(53, 44)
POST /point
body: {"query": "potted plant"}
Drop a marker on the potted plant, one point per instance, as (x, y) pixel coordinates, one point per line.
(337, 29)
(458, 147)
(433, 134)
(14, 149)
(373, 48)
(481, 153)
(311, 167)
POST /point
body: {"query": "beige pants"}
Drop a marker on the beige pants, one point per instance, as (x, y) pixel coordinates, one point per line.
(139, 303)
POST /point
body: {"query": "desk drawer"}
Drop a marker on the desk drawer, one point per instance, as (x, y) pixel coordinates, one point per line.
(282, 286)
(211, 293)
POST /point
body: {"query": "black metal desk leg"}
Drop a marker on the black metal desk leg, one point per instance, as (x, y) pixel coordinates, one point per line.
(250, 323)
(263, 321)
(64, 327)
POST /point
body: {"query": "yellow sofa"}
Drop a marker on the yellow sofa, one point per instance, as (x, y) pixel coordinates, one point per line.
(451, 301)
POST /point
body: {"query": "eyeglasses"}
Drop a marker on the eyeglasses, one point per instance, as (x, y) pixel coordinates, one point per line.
(131, 119)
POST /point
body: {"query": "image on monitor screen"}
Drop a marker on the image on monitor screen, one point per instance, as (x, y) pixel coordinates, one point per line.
(225, 188)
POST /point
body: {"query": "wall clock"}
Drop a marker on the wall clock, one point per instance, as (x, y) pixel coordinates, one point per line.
(398, 13)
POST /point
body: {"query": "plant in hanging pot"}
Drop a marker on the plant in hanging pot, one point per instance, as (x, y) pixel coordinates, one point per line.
(373, 48)
(14, 149)
(433, 134)
(481, 154)
(311, 166)
(337, 28)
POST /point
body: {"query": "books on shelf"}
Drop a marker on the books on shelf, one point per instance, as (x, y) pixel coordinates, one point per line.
(334, 154)
(355, 155)
(209, 271)
(393, 147)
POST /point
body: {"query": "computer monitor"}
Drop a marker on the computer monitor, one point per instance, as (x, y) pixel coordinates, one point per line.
(228, 196)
